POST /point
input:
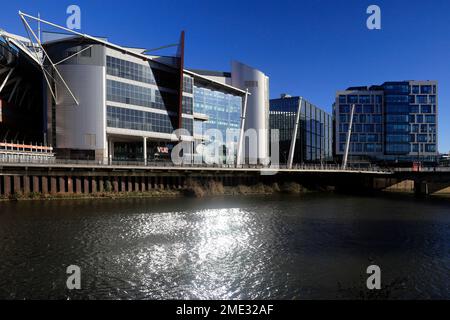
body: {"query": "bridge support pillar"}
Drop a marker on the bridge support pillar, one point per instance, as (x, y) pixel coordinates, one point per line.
(69, 185)
(77, 185)
(53, 189)
(17, 187)
(62, 185)
(7, 185)
(122, 184)
(36, 184)
(421, 188)
(101, 184)
(44, 185)
(94, 184)
(143, 184)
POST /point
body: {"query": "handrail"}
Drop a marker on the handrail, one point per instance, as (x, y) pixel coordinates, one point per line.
(8, 146)
(169, 165)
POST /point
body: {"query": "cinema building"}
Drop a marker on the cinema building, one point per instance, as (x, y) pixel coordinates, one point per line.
(104, 102)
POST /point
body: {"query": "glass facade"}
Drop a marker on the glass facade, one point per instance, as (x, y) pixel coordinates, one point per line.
(161, 95)
(139, 72)
(125, 118)
(398, 122)
(314, 135)
(223, 110)
(367, 129)
(149, 99)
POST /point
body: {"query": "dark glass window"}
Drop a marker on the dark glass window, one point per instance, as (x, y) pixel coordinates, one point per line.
(422, 138)
(352, 99)
(430, 119)
(414, 109)
(422, 99)
(432, 99)
(419, 118)
(364, 99)
(426, 89)
(344, 108)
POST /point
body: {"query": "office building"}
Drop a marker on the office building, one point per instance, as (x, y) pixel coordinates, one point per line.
(392, 122)
(257, 114)
(314, 134)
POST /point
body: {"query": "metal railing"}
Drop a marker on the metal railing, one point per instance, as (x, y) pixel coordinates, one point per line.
(169, 165)
(423, 169)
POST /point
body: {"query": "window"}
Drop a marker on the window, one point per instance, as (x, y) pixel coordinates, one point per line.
(364, 99)
(138, 120)
(398, 138)
(376, 119)
(430, 119)
(397, 88)
(188, 84)
(87, 53)
(368, 109)
(425, 89)
(378, 128)
(397, 148)
(422, 99)
(362, 138)
(422, 138)
(397, 99)
(352, 99)
(397, 128)
(187, 105)
(423, 128)
(419, 118)
(342, 99)
(426, 108)
(430, 148)
(415, 89)
(432, 99)
(345, 108)
(397, 108)
(414, 109)
(397, 118)
(343, 118)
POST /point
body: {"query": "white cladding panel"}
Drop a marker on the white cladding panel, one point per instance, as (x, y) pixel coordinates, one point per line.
(245, 77)
(82, 126)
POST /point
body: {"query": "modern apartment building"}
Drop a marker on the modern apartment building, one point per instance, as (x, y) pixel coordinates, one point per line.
(392, 122)
(314, 133)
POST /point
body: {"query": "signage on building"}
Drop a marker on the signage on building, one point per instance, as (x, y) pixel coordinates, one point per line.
(164, 150)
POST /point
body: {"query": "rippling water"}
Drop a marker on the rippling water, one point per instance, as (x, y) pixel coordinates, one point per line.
(224, 248)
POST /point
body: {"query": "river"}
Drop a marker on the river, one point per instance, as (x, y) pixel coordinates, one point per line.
(313, 246)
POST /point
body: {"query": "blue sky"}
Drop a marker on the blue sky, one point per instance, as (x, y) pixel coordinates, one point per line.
(310, 48)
